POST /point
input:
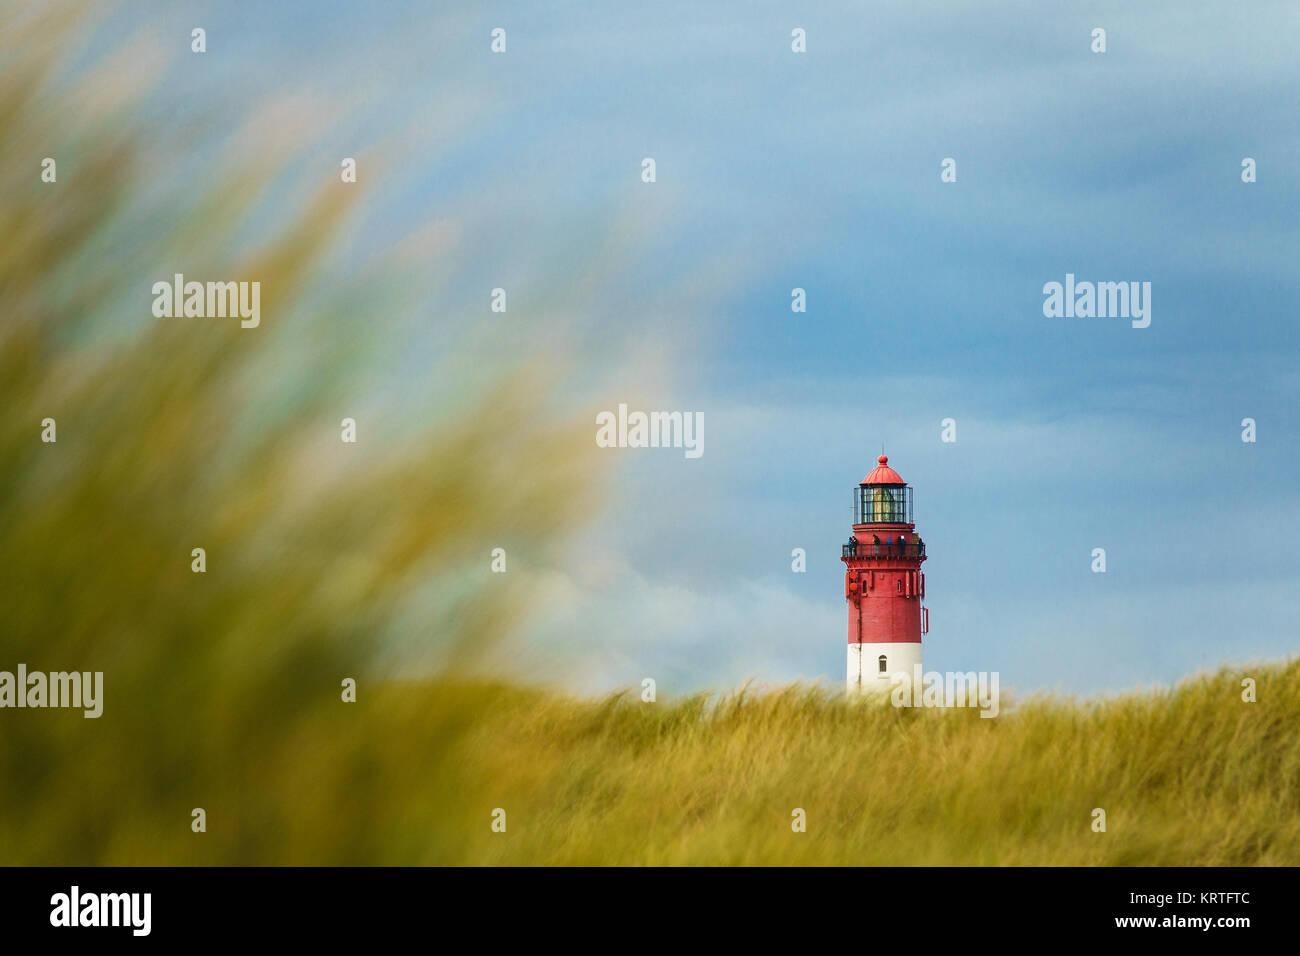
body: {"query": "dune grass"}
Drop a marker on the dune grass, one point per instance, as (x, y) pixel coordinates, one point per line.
(1191, 776)
(222, 687)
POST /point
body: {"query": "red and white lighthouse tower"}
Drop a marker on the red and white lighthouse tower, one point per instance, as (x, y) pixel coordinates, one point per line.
(883, 582)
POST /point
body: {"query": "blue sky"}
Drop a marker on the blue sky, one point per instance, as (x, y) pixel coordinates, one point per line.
(821, 171)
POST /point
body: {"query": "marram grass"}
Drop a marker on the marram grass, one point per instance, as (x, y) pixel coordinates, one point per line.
(1190, 776)
(412, 774)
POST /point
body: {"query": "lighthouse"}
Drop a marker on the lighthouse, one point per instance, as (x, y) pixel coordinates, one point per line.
(883, 583)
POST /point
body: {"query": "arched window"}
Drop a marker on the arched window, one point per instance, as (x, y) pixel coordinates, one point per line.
(883, 663)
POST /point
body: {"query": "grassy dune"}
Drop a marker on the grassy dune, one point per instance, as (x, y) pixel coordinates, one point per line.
(1192, 776)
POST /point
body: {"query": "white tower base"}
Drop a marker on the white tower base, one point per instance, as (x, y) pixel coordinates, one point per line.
(865, 675)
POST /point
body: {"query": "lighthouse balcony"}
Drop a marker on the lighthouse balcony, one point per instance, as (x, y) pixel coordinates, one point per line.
(885, 549)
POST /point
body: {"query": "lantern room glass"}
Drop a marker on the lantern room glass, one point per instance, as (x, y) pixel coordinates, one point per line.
(883, 504)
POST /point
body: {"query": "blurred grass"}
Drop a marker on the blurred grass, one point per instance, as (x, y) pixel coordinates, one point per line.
(222, 690)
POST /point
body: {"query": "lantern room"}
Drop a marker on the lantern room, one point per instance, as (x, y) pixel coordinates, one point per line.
(883, 497)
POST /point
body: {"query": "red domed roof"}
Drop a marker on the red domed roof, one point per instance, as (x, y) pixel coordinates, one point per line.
(882, 474)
